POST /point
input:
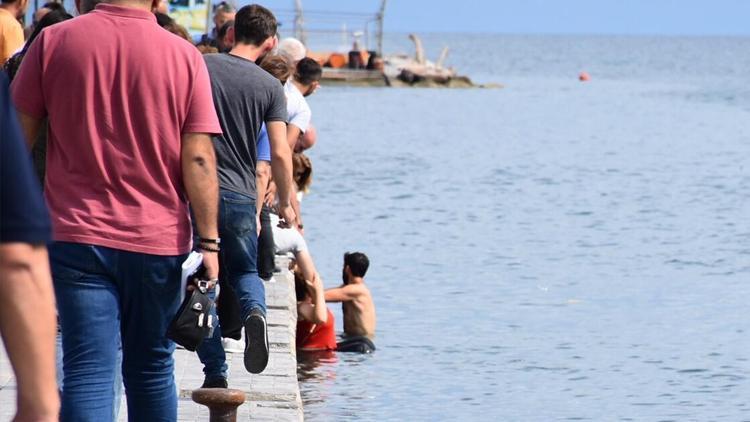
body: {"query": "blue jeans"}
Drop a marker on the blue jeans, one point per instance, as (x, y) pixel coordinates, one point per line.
(117, 386)
(102, 292)
(237, 266)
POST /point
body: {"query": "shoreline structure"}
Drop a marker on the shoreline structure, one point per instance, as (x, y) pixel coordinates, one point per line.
(365, 63)
(273, 395)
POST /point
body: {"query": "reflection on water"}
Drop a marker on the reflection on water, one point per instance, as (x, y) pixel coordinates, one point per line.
(552, 250)
(315, 370)
(317, 374)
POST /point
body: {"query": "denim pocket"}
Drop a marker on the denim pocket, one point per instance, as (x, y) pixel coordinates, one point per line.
(238, 215)
(239, 222)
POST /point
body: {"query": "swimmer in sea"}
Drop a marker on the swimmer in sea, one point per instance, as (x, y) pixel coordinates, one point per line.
(357, 305)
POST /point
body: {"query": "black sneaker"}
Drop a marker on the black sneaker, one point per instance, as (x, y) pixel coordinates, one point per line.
(256, 342)
(218, 382)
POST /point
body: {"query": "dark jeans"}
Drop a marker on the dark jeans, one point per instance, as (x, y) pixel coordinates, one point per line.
(239, 243)
(102, 292)
(266, 261)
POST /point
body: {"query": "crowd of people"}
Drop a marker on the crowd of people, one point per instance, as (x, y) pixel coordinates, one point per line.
(150, 144)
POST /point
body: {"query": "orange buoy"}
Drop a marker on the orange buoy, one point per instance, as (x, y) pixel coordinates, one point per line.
(584, 77)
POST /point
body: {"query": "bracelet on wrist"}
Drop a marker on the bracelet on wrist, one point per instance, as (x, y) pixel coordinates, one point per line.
(214, 241)
(208, 249)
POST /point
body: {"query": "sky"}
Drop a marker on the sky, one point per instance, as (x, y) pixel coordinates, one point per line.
(649, 17)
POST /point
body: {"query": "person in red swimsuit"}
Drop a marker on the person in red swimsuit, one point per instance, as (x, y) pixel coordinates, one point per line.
(315, 324)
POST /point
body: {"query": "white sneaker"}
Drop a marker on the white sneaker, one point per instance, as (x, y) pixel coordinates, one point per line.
(233, 346)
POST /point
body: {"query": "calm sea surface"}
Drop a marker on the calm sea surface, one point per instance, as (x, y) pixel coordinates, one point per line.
(548, 251)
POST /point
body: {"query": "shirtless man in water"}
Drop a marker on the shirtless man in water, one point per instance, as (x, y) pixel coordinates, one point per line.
(357, 305)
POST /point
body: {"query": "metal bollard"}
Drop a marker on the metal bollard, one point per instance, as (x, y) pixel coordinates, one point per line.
(222, 403)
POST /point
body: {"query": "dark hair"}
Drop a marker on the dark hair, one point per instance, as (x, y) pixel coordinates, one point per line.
(222, 32)
(166, 22)
(51, 18)
(53, 6)
(357, 262)
(254, 24)
(163, 19)
(88, 5)
(300, 290)
(301, 171)
(277, 65)
(308, 71)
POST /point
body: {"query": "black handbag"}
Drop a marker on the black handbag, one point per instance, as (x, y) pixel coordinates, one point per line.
(193, 321)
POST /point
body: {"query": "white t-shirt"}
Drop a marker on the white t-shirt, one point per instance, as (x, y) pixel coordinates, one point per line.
(296, 107)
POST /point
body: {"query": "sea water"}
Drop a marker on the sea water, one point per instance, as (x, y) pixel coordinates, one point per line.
(553, 250)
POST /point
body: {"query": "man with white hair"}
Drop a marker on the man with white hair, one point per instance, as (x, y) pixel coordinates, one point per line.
(293, 48)
(297, 108)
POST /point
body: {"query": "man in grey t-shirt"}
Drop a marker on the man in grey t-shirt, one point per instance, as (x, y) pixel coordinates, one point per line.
(245, 96)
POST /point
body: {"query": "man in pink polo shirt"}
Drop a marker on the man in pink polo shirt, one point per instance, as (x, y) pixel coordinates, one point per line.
(130, 117)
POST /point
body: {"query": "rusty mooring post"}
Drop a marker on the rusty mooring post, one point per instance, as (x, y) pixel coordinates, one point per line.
(222, 403)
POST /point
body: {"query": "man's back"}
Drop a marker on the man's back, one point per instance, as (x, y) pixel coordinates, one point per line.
(119, 92)
(245, 96)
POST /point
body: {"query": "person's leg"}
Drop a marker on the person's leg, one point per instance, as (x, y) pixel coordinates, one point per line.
(212, 356)
(266, 261)
(237, 228)
(211, 353)
(117, 384)
(87, 302)
(239, 243)
(149, 289)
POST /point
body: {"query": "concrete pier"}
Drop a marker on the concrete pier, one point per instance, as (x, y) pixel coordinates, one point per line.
(271, 396)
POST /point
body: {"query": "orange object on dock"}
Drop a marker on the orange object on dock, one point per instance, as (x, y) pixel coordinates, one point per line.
(337, 60)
